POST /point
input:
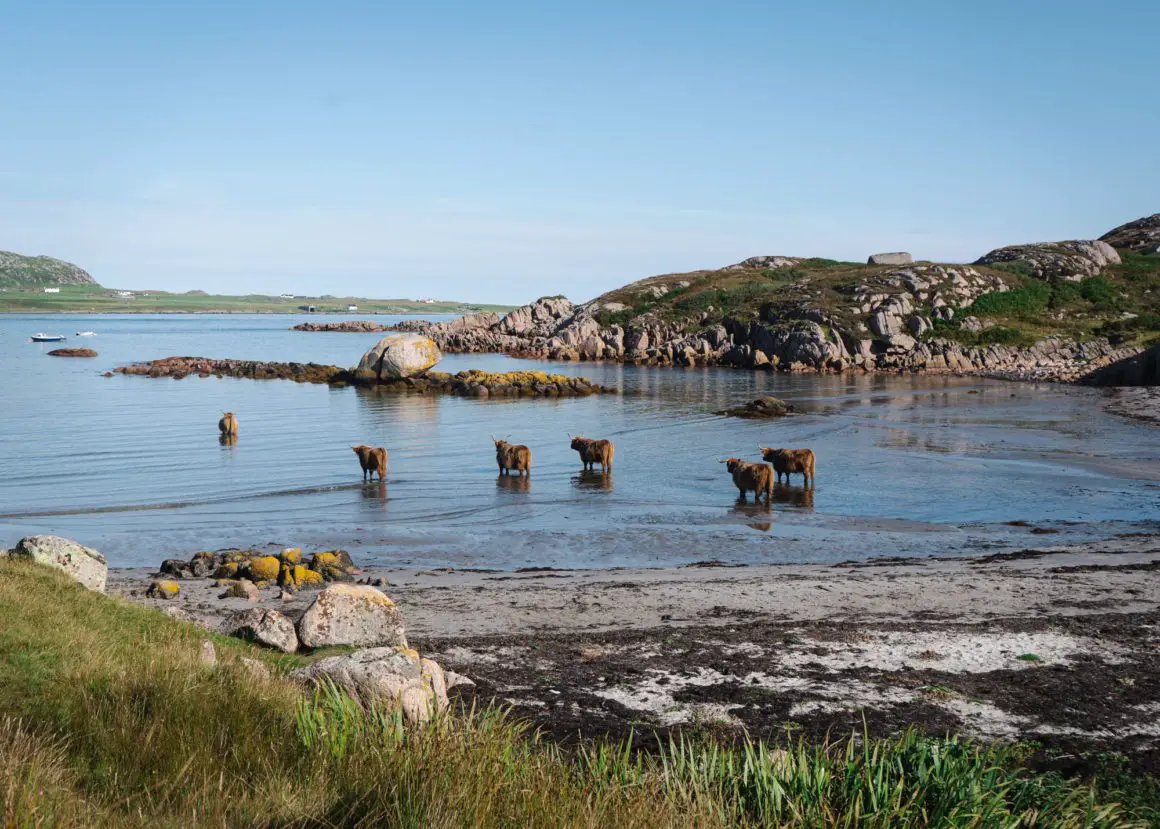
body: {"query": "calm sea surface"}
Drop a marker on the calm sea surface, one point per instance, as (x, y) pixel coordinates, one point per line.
(906, 466)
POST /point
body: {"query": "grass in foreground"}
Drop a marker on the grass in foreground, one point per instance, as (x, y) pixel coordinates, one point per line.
(111, 721)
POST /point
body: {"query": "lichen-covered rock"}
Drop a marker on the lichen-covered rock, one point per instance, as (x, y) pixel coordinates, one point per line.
(333, 565)
(262, 568)
(242, 589)
(351, 614)
(392, 675)
(263, 626)
(1070, 261)
(202, 564)
(1142, 235)
(175, 567)
(398, 356)
(83, 564)
(296, 576)
(163, 589)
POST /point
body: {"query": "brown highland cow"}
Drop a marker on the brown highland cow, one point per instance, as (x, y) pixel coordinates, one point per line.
(594, 452)
(786, 461)
(511, 456)
(751, 476)
(372, 460)
(228, 425)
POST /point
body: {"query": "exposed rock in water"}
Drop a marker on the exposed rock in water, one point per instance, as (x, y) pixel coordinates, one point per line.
(897, 258)
(1071, 261)
(397, 357)
(394, 675)
(351, 614)
(83, 564)
(346, 326)
(762, 407)
(1142, 235)
(180, 367)
(72, 352)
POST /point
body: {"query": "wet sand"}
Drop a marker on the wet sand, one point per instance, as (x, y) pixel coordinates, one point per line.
(1060, 644)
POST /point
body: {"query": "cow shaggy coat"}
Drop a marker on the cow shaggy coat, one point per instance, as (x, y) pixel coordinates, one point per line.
(372, 460)
(751, 476)
(594, 452)
(228, 425)
(786, 461)
(513, 457)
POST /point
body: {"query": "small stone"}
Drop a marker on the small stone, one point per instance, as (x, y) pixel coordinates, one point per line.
(208, 655)
(264, 626)
(242, 589)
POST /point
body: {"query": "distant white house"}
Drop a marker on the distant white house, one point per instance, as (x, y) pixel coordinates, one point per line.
(352, 307)
(52, 290)
(426, 300)
(125, 294)
(286, 296)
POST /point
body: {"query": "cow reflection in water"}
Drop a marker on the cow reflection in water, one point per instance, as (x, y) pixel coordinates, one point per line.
(375, 492)
(228, 440)
(795, 496)
(592, 479)
(514, 483)
(759, 513)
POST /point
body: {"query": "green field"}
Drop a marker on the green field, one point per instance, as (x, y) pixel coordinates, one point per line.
(94, 299)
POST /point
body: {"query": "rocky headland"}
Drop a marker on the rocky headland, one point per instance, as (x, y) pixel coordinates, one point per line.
(1047, 311)
(345, 327)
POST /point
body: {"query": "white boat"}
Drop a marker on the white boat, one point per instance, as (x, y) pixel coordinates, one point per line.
(47, 338)
(86, 333)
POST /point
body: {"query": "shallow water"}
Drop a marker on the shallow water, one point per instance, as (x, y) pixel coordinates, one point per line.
(906, 465)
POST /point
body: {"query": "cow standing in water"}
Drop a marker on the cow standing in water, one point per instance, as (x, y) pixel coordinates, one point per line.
(372, 460)
(513, 457)
(228, 425)
(786, 461)
(594, 452)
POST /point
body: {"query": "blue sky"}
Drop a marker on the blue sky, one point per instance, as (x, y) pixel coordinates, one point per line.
(502, 151)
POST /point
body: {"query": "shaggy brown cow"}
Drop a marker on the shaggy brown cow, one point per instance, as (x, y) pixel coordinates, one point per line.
(371, 460)
(747, 476)
(594, 452)
(786, 461)
(512, 456)
(228, 425)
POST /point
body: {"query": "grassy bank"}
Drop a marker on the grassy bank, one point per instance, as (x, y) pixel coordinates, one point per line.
(93, 299)
(110, 720)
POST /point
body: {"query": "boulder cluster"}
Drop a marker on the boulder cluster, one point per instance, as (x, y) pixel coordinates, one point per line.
(345, 326)
(287, 569)
(484, 384)
(181, 367)
(761, 408)
(1071, 261)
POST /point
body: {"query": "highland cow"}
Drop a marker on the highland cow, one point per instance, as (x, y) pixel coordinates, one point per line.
(751, 476)
(512, 456)
(228, 425)
(786, 461)
(594, 452)
(371, 460)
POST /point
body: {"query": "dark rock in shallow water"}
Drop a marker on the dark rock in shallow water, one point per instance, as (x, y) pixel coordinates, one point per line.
(72, 352)
(760, 408)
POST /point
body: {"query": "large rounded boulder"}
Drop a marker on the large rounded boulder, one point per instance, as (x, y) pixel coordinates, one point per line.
(84, 565)
(351, 614)
(398, 356)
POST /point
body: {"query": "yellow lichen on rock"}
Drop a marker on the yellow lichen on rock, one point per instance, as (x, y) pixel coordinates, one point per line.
(163, 589)
(305, 577)
(292, 555)
(264, 568)
(228, 570)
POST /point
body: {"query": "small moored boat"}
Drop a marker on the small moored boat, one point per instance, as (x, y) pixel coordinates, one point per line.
(47, 338)
(86, 333)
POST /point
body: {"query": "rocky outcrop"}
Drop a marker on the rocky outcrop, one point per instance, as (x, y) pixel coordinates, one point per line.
(263, 626)
(1142, 235)
(72, 352)
(181, 367)
(897, 258)
(395, 676)
(486, 384)
(764, 263)
(1141, 369)
(344, 327)
(351, 614)
(83, 565)
(397, 357)
(1071, 261)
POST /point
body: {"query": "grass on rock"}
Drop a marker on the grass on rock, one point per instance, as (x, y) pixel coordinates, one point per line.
(111, 720)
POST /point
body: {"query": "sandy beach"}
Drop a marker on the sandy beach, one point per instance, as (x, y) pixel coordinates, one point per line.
(1060, 644)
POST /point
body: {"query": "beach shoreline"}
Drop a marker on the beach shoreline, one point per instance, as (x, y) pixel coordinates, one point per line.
(1057, 644)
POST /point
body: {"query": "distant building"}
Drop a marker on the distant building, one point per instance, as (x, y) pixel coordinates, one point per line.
(426, 300)
(352, 307)
(287, 296)
(125, 294)
(52, 290)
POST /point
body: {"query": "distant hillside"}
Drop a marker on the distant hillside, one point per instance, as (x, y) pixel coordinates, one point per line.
(36, 271)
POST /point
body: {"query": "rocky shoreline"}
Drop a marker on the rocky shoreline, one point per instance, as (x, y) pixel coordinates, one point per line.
(471, 383)
(1061, 651)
